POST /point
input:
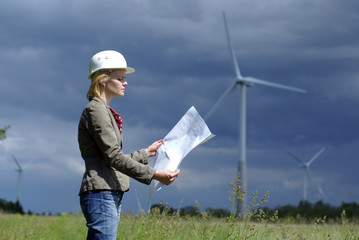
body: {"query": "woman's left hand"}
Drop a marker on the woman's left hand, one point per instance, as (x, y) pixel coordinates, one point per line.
(152, 150)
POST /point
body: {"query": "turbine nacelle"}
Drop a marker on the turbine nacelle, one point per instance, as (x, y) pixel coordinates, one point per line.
(303, 165)
(243, 82)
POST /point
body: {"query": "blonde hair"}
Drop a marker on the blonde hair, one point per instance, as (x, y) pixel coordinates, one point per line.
(98, 78)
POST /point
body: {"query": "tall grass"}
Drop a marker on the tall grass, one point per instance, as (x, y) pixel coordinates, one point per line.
(19, 227)
(157, 224)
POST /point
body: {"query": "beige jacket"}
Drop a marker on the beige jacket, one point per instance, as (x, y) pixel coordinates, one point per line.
(100, 144)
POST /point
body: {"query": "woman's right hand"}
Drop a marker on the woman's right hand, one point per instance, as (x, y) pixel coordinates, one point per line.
(152, 150)
(166, 176)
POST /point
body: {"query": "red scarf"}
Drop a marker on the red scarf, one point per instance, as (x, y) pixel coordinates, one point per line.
(118, 119)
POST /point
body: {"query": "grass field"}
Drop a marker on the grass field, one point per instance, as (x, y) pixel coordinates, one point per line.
(162, 226)
(167, 225)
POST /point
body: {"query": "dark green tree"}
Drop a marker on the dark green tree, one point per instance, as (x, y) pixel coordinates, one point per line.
(189, 211)
(163, 208)
(10, 207)
(3, 132)
(218, 212)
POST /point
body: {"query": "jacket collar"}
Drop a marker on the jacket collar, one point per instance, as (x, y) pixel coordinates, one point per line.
(97, 99)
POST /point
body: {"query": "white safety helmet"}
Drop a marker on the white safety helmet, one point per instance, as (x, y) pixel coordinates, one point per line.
(108, 59)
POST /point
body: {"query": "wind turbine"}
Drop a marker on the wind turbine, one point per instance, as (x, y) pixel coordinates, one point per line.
(244, 82)
(19, 178)
(305, 166)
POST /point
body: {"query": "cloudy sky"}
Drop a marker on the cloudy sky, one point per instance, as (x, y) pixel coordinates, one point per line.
(181, 57)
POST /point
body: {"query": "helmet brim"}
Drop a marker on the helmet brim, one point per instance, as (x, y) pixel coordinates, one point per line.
(128, 70)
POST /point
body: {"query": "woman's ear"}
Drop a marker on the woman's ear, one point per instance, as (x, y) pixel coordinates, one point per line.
(103, 83)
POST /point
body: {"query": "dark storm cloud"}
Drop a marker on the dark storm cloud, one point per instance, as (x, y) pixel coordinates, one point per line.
(180, 54)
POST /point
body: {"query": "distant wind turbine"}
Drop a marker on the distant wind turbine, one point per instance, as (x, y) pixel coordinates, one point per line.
(322, 194)
(19, 178)
(244, 82)
(306, 166)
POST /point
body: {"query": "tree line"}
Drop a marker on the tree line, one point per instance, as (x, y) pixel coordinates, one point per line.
(304, 210)
(10, 207)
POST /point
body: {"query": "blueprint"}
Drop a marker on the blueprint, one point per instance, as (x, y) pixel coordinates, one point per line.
(188, 133)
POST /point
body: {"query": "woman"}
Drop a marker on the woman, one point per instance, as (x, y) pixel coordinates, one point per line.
(107, 173)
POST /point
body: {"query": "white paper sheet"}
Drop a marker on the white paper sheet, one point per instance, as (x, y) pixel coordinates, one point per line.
(188, 133)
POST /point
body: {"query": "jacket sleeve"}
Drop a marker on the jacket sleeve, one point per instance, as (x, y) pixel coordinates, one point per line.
(139, 156)
(100, 127)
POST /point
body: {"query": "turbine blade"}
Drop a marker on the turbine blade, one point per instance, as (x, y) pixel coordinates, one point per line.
(220, 100)
(231, 51)
(315, 156)
(295, 157)
(309, 177)
(322, 194)
(28, 163)
(138, 202)
(271, 84)
(17, 163)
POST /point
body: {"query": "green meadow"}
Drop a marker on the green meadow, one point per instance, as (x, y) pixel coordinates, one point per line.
(163, 222)
(157, 225)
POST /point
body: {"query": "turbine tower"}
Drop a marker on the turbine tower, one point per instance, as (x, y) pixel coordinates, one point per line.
(244, 82)
(19, 178)
(305, 166)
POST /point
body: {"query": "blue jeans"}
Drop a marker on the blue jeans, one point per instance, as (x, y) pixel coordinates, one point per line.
(102, 209)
